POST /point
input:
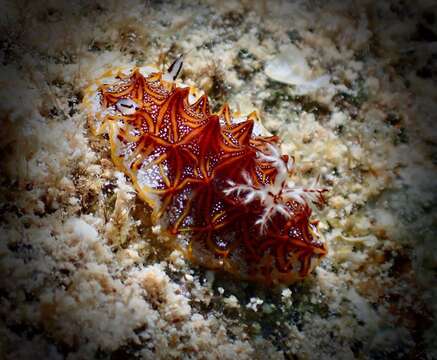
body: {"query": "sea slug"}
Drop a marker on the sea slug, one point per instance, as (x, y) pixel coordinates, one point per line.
(217, 180)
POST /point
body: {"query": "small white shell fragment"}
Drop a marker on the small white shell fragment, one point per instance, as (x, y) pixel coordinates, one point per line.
(290, 67)
(127, 106)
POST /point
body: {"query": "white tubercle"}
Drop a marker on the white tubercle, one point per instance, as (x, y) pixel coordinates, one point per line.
(127, 106)
(194, 95)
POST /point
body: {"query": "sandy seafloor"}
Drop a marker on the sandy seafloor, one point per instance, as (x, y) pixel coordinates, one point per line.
(83, 273)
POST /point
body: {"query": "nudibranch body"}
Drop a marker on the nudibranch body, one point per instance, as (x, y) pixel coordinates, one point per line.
(218, 178)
